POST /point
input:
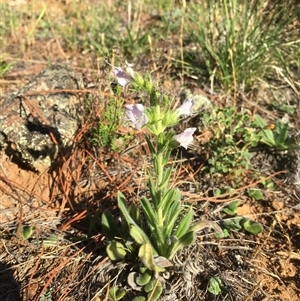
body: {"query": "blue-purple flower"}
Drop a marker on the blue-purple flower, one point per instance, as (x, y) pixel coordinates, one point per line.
(186, 108)
(186, 137)
(123, 78)
(135, 113)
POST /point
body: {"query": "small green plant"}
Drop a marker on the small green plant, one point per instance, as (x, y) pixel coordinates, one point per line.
(47, 295)
(233, 136)
(159, 226)
(237, 223)
(276, 137)
(145, 281)
(215, 286)
(105, 134)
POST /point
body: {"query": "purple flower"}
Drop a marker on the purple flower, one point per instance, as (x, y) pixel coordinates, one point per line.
(123, 78)
(186, 108)
(135, 113)
(185, 138)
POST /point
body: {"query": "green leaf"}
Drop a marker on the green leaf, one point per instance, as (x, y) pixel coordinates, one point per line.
(152, 190)
(134, 212)
(172, 194)
(255, 193)
(109, 226)
(50, 241)
(149, 287)
(149, 212)
(150, 145)
(252, 227)
(225, 234)
(173, 197)
(139, 298)
(116, 251)
(146, 256)
(122, 206)
(166, 178)
(26, 231)
(144, 278)
(186, 240)
(233, 224)
(116, 293)
(231, 208)
(215, 285)
(259, 121)
(184, 224)
(139, 235)
(157, 292)
(267, 137)
(269, 184)
(171, 218)
(281, 139)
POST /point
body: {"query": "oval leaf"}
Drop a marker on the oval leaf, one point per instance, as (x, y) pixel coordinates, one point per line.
(26, 232)
(253, 227)
(116, 251)
(146, 256)
(214, 286)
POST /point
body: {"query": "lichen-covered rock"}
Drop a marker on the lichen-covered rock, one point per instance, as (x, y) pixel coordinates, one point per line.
(41, 117)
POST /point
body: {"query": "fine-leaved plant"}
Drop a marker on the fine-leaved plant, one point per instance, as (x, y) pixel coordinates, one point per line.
(104, 133)
(239, 40)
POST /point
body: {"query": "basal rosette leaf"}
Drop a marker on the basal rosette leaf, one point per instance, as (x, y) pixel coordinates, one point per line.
(146, 256)
(116, 251)
(124, 210)
(135, 231)
(154, 295)
(139, 235)
(116, 293)
(144, 278)
(185, 240)
(134, 212)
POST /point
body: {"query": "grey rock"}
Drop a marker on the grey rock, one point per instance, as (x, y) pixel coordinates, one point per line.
(42, 117)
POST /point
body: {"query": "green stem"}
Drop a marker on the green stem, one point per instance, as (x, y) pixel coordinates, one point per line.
(159, 158)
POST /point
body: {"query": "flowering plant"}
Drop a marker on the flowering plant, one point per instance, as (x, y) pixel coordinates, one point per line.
(159, 226)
